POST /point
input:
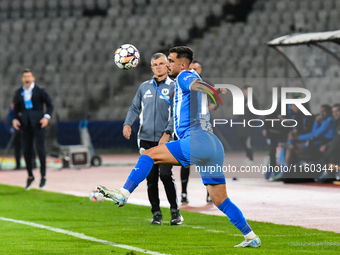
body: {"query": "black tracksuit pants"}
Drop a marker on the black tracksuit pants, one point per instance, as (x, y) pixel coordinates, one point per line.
(166, 175)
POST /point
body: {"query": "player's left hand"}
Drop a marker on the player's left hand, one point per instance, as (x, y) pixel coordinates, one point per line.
(44, 122)
(164, 139)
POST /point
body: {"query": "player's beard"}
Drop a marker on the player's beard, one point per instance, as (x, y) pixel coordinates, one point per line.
(172, 76)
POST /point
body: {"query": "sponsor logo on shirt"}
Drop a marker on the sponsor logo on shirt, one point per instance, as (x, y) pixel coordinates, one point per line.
(148, 94)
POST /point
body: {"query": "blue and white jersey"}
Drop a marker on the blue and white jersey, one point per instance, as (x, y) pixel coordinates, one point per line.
(188, 106)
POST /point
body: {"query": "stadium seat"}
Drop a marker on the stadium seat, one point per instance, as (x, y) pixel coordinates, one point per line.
(270, 6)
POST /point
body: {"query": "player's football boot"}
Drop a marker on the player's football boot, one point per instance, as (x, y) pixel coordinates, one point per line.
(251, 243)
(114, 194)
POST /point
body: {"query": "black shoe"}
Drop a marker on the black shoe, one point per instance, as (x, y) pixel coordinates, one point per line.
(209, 201)
(157, 218)
(30, 181)
(184, 198)
(42, 183)
(176, 218)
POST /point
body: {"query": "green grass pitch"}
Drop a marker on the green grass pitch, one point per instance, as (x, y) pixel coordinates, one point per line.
(130, 225)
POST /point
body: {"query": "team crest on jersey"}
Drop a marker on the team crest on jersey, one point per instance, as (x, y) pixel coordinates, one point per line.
(165, 92)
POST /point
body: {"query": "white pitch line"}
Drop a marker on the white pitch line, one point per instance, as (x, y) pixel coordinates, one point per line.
(316, 244)
(81, 236)
(229, 234)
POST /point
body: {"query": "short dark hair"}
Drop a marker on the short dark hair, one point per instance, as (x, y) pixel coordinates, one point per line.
(327, 108)
(27, 70)
(337, 105)
(183, 52)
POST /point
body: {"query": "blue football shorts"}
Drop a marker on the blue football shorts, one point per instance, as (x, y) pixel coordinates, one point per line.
(204, 150)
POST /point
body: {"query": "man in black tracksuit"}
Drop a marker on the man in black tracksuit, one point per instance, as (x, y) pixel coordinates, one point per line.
(153, 102)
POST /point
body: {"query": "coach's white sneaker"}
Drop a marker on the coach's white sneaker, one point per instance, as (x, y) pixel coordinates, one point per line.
(252, 243)
(114, 194)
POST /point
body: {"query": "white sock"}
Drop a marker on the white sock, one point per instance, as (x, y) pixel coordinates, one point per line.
(125, 192)
(250, 235)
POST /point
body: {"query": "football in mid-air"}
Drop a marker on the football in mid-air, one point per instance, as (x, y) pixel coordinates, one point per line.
(126, 57)
(96, 196)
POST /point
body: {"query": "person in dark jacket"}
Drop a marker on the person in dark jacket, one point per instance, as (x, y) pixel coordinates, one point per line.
(274, 134)
(245, 133)
(29, 116)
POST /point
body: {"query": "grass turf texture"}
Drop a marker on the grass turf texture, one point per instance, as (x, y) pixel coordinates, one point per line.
(130, 225)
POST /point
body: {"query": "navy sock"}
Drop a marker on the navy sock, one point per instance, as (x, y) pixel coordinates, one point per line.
(235, 216)
(139, 173)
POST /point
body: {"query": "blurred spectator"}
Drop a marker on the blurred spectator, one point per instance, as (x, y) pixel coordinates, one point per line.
(274, 134)
(322, 133)
(304, 122)
(331, 150)
(29, 116)
(304, 125)
(245, 133)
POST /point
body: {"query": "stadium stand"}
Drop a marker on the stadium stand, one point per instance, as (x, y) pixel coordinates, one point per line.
(70, 43)
(245, 53)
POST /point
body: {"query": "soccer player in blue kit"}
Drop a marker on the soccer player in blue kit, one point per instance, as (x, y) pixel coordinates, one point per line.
(197, 145)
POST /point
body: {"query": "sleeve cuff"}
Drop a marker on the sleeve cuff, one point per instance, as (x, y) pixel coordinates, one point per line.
(47, 116)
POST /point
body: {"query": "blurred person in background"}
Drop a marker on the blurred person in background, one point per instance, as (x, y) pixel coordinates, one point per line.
(245, 132)
(153, 102)
(304, 124)
(274, 133)
(322, 133)
(331, 150)
(29, 116)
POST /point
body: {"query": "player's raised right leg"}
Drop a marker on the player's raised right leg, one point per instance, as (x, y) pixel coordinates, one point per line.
(156, 155)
